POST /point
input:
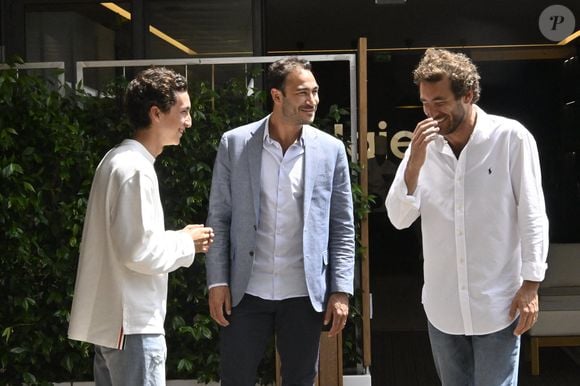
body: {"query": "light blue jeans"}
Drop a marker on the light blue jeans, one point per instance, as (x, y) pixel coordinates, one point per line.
(478, 360)
(140, 363)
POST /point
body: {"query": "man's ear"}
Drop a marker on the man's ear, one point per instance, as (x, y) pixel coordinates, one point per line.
(276, 95)
(154, 113)
(468, 98)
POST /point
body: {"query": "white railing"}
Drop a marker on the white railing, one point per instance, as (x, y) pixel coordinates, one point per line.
(38, 66)
(124, 64)
(350, 58)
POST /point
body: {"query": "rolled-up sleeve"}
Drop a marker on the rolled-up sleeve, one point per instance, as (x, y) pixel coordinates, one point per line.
(532, 220)
(402, 208)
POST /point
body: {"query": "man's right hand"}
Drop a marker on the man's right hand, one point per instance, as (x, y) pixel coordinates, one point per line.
(425, 132)
(202, 236)
(220, 301)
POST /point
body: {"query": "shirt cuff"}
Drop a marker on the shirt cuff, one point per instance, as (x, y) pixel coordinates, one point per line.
(534, 271)
(217, 285)
(413, 200)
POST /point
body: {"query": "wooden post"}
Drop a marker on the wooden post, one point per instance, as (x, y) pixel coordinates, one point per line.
(363, 162)
(535, 348)
(329, 364)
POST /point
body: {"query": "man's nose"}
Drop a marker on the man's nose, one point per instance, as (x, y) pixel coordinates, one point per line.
(312, 99)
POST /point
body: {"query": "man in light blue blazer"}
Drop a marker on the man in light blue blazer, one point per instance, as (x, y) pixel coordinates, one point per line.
(281, 208)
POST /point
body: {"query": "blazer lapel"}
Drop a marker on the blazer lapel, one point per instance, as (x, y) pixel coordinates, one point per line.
(311, 162)
(255, 144)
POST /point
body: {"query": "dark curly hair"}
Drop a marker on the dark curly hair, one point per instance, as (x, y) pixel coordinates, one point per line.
(279, 70)
(155, 86)
(438, 63)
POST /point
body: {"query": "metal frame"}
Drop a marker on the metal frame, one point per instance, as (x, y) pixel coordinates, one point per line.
(37, 66)
(350, 58)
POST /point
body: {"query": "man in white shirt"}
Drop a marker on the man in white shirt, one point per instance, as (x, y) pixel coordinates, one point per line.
(283, 257)
(475, 180)
(120, 294)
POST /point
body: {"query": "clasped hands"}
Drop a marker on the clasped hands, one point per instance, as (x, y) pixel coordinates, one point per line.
(202, 236)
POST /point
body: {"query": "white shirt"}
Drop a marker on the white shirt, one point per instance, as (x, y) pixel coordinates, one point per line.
(278, 269)
(126, 253)
(483, 222)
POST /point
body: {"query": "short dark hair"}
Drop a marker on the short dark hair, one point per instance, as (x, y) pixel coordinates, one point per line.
(279, 70)
(438, 63)
(155, 86)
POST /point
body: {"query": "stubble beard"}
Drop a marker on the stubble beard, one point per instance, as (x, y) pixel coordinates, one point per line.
(457, 117)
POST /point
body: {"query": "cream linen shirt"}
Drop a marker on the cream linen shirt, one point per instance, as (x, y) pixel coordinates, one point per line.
(126, 253)
(483, 222)
(278, 269)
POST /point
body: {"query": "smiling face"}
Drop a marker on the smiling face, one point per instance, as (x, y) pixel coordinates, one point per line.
(173, 123)
(298, 101)
(441, 104)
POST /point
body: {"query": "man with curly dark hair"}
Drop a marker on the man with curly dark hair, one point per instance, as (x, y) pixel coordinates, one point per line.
(126, 254)
(475, 181)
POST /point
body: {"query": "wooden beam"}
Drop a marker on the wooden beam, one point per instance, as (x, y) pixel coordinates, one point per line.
(522, 53)
(558, 341)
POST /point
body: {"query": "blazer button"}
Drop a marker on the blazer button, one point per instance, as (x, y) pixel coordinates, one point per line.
(251, 253)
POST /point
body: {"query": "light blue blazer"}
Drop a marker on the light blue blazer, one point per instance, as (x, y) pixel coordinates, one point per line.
(234, 207)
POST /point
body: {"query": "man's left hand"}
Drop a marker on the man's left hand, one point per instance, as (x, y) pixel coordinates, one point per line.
(526, 302)
(337, 312)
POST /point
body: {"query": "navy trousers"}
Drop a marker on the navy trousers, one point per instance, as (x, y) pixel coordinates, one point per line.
(253, 323)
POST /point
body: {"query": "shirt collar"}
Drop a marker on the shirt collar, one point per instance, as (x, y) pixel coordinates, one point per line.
(138, 146)
(269, 140)
(480, 131)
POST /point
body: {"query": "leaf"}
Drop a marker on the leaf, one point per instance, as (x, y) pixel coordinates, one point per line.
(10, 169)
(68, 364)
(184, 365)
(18, 350)
(28, 187)
(29, 378)
(7, 333)
(206, 332)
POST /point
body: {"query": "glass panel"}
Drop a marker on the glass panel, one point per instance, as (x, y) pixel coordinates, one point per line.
(206, 27)
(76, 32)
